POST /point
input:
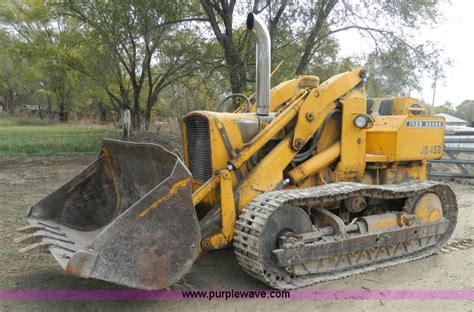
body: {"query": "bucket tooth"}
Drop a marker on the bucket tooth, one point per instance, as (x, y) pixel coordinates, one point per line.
(28, 229)
(39, 235)
(44, 246)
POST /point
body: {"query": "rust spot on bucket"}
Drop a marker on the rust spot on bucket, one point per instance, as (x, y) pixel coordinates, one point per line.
(173, 190)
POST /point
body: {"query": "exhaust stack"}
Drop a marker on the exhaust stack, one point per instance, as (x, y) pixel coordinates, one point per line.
(257, 26)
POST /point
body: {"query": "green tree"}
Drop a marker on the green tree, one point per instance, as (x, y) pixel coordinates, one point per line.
(303, 34)
(41, 38)
(10, 81)
(144, 37)
(465, 110)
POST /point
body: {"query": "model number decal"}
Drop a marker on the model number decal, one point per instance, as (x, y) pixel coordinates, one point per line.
(433, 149)
(424, 124)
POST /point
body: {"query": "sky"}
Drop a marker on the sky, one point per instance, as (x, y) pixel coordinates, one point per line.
(455, 34)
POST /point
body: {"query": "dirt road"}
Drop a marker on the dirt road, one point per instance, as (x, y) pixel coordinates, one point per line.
(23, 182)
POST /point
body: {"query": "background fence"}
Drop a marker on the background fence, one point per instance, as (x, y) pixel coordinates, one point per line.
(458, 160)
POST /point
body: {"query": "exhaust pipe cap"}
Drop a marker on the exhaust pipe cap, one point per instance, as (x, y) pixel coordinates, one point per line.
(250, 21)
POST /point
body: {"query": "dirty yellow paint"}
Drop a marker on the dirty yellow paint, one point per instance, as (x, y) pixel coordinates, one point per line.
(316, 163)
(205, 189)
(392, 137)
(173, 190)
(228, 213)
(385, 222)
(108, 170)
(428, 209)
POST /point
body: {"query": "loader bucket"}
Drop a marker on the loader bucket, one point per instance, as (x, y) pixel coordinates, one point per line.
(128, 218)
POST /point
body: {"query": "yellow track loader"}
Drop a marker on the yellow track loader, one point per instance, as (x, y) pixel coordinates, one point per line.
(310, 182)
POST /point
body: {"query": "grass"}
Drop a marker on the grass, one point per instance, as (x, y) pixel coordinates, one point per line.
(24, 137)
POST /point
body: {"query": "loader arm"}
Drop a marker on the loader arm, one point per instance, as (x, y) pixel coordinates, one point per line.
(308, 110)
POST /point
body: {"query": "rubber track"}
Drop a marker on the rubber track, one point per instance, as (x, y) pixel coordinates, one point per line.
(252, 221)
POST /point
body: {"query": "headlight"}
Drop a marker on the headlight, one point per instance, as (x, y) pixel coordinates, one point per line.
(361, 121)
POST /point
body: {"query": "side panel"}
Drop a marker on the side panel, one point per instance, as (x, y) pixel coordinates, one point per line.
(404, 138)
(421, 138)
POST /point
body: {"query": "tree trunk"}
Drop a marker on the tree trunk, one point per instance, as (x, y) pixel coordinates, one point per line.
(4, 106)
(147, 118)
(237, 76)
(136, 110)
(234, 62)
(152, 99)
(10, 100)
(102, 112)
(126, 125)
(63, 114)
(10, 109)
(325, 9)
(236, 68)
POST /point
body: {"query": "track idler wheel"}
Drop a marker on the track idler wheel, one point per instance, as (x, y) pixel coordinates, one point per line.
(426, 208)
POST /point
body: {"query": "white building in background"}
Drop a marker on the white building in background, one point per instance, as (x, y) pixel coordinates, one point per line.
(453, 121)
(457, 128)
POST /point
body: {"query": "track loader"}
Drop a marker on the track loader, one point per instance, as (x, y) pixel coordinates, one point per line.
(309, 182)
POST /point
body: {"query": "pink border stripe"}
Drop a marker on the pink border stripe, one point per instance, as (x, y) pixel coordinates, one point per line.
(323, 295)
(48, 295)
(461, 294)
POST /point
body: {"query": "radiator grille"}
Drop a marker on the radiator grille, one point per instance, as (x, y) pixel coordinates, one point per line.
(199, 147)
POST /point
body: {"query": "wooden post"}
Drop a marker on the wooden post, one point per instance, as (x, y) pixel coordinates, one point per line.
(127, 125)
